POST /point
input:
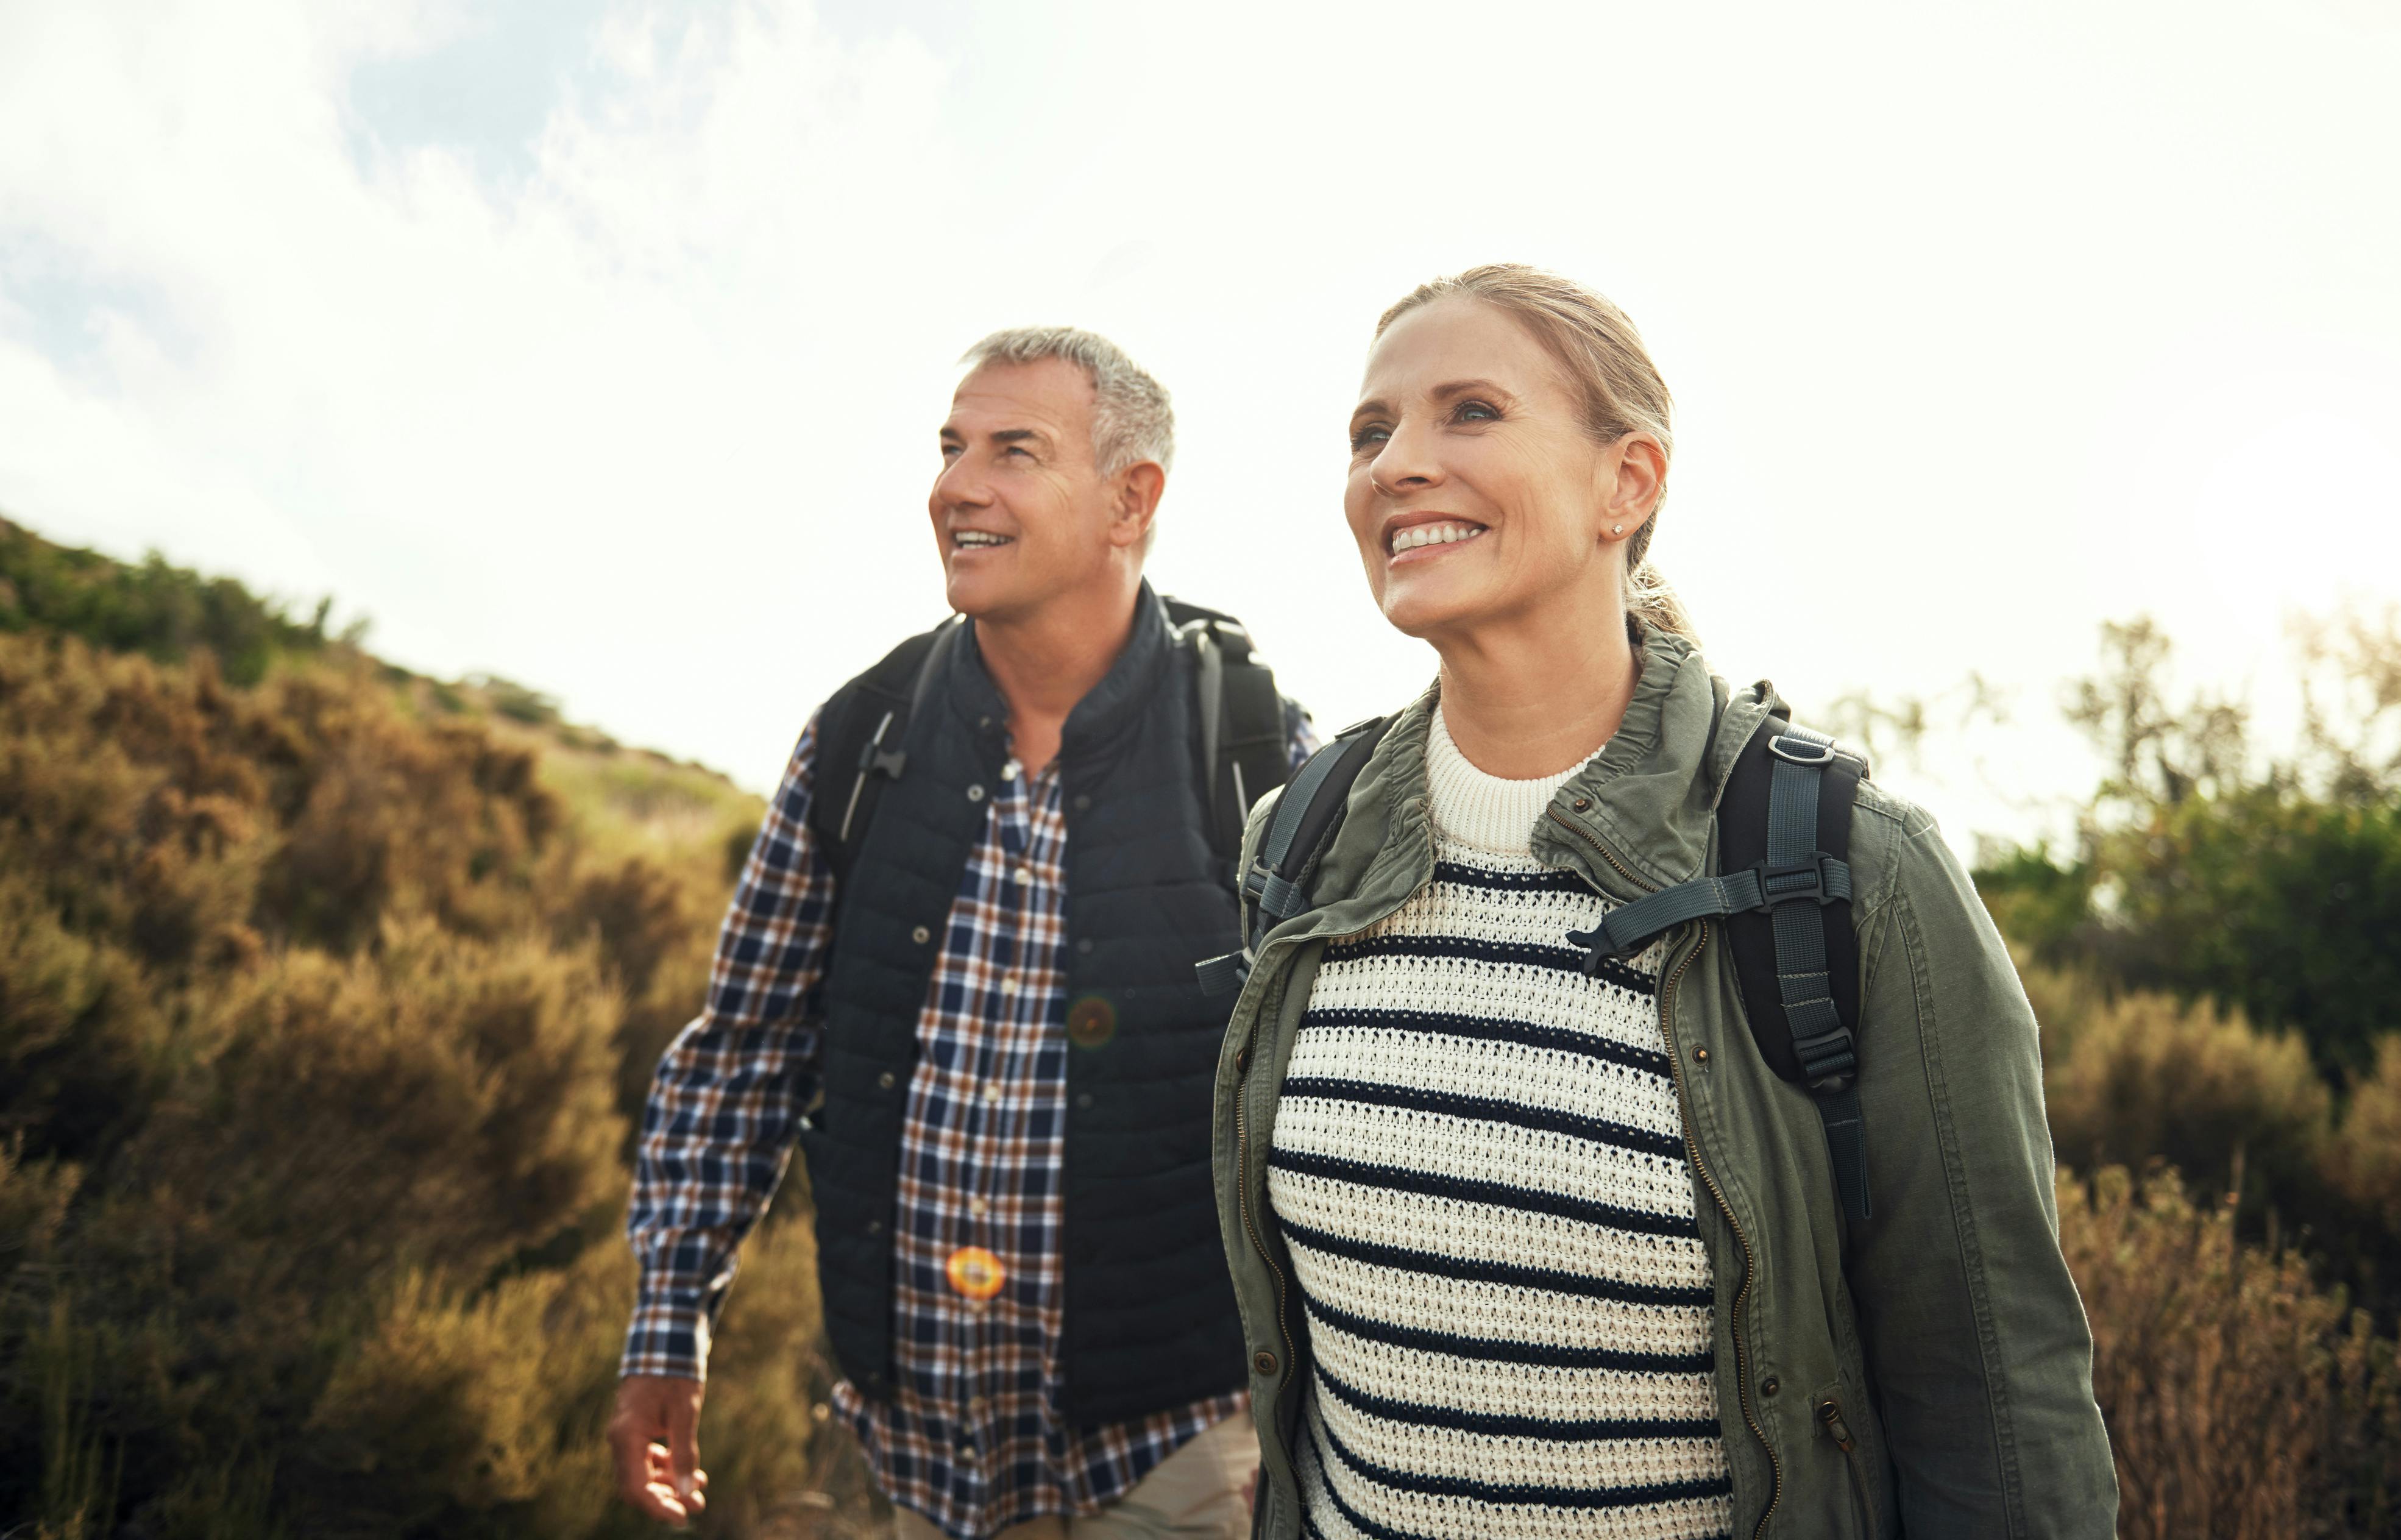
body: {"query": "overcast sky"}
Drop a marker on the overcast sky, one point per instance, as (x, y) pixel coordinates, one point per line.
(601, 345)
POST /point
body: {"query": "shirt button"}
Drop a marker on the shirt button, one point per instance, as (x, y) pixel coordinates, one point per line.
(991, 1090)
(975, 793)
(1024, 875)
(1008, 986)
(977, 1207)
(1008, 771)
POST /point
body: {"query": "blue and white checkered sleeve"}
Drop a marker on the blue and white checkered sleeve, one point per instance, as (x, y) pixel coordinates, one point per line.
(1299, 732)
(726, 1101)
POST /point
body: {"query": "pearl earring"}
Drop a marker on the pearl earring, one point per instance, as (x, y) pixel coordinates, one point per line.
(1617, 529)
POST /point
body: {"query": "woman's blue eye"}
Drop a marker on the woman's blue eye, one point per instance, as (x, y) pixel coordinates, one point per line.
(1475, 411)
(1365, 436)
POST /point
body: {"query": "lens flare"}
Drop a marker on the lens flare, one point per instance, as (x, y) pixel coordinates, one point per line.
(975, 1272)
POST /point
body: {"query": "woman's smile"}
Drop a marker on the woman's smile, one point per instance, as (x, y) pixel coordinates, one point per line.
(1414, 538)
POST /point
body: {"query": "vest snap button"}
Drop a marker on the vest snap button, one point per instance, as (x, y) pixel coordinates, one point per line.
(888, 1080)
(1082, 802)
(876, 1227)
(1264, 1361)
(921, 935)
(1084, 1099)
(1091, 1022)
(975, 793)
(1084, 946)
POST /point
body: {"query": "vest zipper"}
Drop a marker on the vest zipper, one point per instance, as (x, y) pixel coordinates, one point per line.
(1829, 1416)
(1693, 1150)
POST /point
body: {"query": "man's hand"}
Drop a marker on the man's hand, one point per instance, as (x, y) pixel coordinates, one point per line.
(656, 1435)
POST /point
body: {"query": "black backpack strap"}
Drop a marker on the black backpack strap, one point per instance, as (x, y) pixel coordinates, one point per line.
(1276, 887)
(1784, 891)
(859, 740)
(1244, 748)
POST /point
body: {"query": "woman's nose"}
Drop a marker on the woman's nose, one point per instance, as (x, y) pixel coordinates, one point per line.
(1406, 462)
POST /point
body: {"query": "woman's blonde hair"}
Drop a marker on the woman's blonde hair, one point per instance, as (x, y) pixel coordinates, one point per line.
(1604, 356)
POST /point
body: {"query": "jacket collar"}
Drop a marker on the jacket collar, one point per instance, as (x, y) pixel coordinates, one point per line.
(1649, 796)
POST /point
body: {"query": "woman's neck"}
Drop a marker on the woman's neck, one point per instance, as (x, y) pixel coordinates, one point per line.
(1534, 695)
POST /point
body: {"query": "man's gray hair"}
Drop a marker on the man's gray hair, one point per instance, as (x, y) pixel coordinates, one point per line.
(1132, 421)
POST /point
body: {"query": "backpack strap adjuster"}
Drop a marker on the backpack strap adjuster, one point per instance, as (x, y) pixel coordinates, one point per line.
(1821, 880)
(1795, 750)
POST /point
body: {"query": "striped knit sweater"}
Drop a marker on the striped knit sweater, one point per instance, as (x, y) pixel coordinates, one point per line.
(1479, 1166)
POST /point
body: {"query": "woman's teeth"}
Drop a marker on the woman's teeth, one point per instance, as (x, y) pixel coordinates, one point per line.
(1433, 534)
(979, 538)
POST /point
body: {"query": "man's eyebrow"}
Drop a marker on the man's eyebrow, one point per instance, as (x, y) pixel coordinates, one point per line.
(1019, 435)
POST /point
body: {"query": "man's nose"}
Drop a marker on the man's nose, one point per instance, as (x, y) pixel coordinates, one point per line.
(960, 486)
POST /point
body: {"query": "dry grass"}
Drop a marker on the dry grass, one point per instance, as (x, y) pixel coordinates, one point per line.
(2244, 1402)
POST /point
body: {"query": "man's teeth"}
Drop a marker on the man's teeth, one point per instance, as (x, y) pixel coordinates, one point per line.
(1433, 534)
(979, 537)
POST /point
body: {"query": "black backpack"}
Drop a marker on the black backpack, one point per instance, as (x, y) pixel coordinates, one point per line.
(1244, 740)
(1784, 893)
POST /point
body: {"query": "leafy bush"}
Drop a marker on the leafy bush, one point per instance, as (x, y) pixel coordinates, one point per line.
(155, 608)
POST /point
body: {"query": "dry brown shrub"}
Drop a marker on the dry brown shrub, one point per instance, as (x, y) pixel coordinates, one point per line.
(2143, 1079)
(2244, 1402)
(2365, 1160)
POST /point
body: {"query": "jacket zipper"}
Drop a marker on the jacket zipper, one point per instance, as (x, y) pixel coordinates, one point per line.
(1829, 1416)
(1693, 1150)
(1243, 1195)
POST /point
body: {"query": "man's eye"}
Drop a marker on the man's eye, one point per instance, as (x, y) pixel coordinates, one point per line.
(1017, 449)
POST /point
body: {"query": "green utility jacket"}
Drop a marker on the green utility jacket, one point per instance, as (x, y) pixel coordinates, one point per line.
(1944, 1334)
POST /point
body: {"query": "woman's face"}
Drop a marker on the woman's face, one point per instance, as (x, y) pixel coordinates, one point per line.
(1476, 494)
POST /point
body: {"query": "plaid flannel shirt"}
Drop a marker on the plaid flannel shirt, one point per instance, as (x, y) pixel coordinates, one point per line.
(972, 1436)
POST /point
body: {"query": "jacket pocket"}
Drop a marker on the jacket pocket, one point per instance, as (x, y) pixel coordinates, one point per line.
(1836, 1426)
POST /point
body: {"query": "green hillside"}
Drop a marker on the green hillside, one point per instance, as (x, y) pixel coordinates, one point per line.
(328, 995)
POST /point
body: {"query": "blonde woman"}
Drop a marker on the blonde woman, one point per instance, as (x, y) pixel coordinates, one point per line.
(1532, 1238)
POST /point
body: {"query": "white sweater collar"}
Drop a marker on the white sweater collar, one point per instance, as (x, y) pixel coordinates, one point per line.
(1481, 811)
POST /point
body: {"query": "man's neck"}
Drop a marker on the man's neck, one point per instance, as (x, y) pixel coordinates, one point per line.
(1044, 661)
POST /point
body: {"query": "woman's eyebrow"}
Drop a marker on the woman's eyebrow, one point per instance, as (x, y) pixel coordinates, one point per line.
(1368, 408)
(1467, 387)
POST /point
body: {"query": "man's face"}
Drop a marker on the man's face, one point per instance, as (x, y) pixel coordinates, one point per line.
(1021, 510)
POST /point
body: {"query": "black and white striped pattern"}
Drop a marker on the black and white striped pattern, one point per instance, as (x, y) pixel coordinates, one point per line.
(1479, 1166)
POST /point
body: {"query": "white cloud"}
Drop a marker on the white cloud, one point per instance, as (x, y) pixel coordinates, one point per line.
(1983, 325)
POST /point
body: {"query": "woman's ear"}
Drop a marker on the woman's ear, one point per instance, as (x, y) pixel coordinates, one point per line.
(1633, 492)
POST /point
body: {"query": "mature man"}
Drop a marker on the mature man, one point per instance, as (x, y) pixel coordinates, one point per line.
(968, 930)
